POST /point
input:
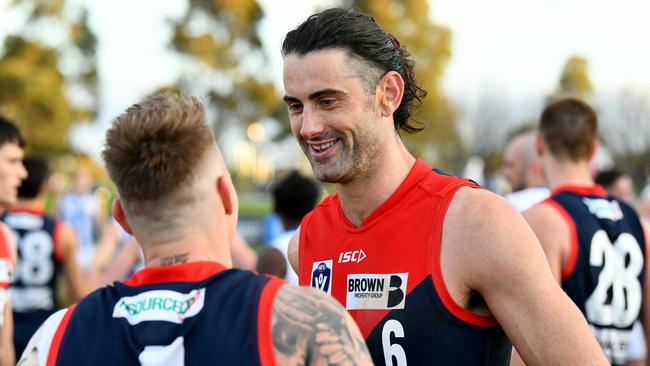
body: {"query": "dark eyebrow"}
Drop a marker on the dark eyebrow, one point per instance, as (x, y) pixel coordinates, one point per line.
(314, 95)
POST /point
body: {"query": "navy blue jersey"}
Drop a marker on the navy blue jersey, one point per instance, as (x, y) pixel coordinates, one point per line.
(604, 273)
(188, 314)
(34, 288)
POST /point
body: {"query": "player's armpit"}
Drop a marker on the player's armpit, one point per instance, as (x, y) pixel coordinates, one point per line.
(482, 232)
(311, 328)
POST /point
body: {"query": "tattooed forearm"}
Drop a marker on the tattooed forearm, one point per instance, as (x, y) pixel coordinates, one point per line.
(174, 259)
(310, 328)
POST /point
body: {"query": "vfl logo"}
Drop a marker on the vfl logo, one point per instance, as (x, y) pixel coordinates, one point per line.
(352, 256)
(321, 276)
(376, 291)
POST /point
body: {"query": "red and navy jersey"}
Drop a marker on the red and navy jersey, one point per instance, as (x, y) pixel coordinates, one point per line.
(197, 313)
(40, 261)
(387, 274)
(34, 288)
(604, 272)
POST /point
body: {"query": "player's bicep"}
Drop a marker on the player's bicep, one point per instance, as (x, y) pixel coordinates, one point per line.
(553, 235)
(310, 326)
(510, 271)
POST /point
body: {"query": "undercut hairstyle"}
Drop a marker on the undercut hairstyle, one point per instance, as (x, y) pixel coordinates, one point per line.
(9, 133)
(156, 147)
(374, 50)
(569, 127)
(38, 171)
(294, 196)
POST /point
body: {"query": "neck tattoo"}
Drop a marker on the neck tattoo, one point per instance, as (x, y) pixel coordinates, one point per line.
(174, 259)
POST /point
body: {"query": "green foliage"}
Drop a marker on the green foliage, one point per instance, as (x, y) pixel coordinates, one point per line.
(34, 85)
(221, 41)
(575, 77)
(32, 92)
(430, 46)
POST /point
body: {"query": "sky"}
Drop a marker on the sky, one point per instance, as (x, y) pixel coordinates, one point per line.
(514, 49)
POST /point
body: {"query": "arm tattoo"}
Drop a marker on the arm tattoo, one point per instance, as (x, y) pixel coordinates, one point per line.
(174, 259)
(312, 328)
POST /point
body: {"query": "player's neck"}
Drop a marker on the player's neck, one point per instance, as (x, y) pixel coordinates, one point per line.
(31, 204)
(561, 173)
(363, 196)
(196, 247)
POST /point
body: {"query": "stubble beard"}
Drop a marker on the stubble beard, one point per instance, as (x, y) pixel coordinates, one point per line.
(351, 163)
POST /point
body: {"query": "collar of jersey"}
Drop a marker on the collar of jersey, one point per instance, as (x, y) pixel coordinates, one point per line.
(419, 170)
(589, 190)
(30, 210)
(185, 272)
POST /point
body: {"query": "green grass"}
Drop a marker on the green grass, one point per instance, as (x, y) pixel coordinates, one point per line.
(255, 206)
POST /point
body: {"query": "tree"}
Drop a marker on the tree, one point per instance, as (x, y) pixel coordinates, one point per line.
(220, 41)
(46, 85)
(575, 77)
(484, 127)
(430, 46)
(625, 128)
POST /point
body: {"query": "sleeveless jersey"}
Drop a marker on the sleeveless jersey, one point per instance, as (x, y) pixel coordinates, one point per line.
(604, 272)
(387, 274)
(34, 290)
(196, 313)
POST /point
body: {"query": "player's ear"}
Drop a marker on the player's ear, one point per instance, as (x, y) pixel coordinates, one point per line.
(227, 194)
(120, 217)
(594, 150)
(391, 92)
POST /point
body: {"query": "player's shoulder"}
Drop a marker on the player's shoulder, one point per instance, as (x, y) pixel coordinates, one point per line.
(306, 305)
(439, 183)
(321, 322)
(474, 205)
(478, 217)
(546, 215)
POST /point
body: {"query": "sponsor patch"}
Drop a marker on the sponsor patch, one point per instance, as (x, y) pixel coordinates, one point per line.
(161, 305)
(604, 209)
(376, 291)
(321, 276)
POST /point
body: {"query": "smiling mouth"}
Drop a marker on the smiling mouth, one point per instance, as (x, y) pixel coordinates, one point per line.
(323, 147)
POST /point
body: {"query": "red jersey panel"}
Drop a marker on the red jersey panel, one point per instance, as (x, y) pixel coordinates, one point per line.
(6, 262)
(386, 273)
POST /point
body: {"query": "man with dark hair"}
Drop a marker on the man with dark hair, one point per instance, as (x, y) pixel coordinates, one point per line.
(188, 306)
(45, 246)
(595, 244)
(446, 266)
(293, 198)
(618, 184)
(12, 172)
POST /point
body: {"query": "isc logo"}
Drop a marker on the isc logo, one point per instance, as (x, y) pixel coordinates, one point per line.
(352, 256)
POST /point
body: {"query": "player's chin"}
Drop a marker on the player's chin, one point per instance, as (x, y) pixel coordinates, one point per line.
(329, 174)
